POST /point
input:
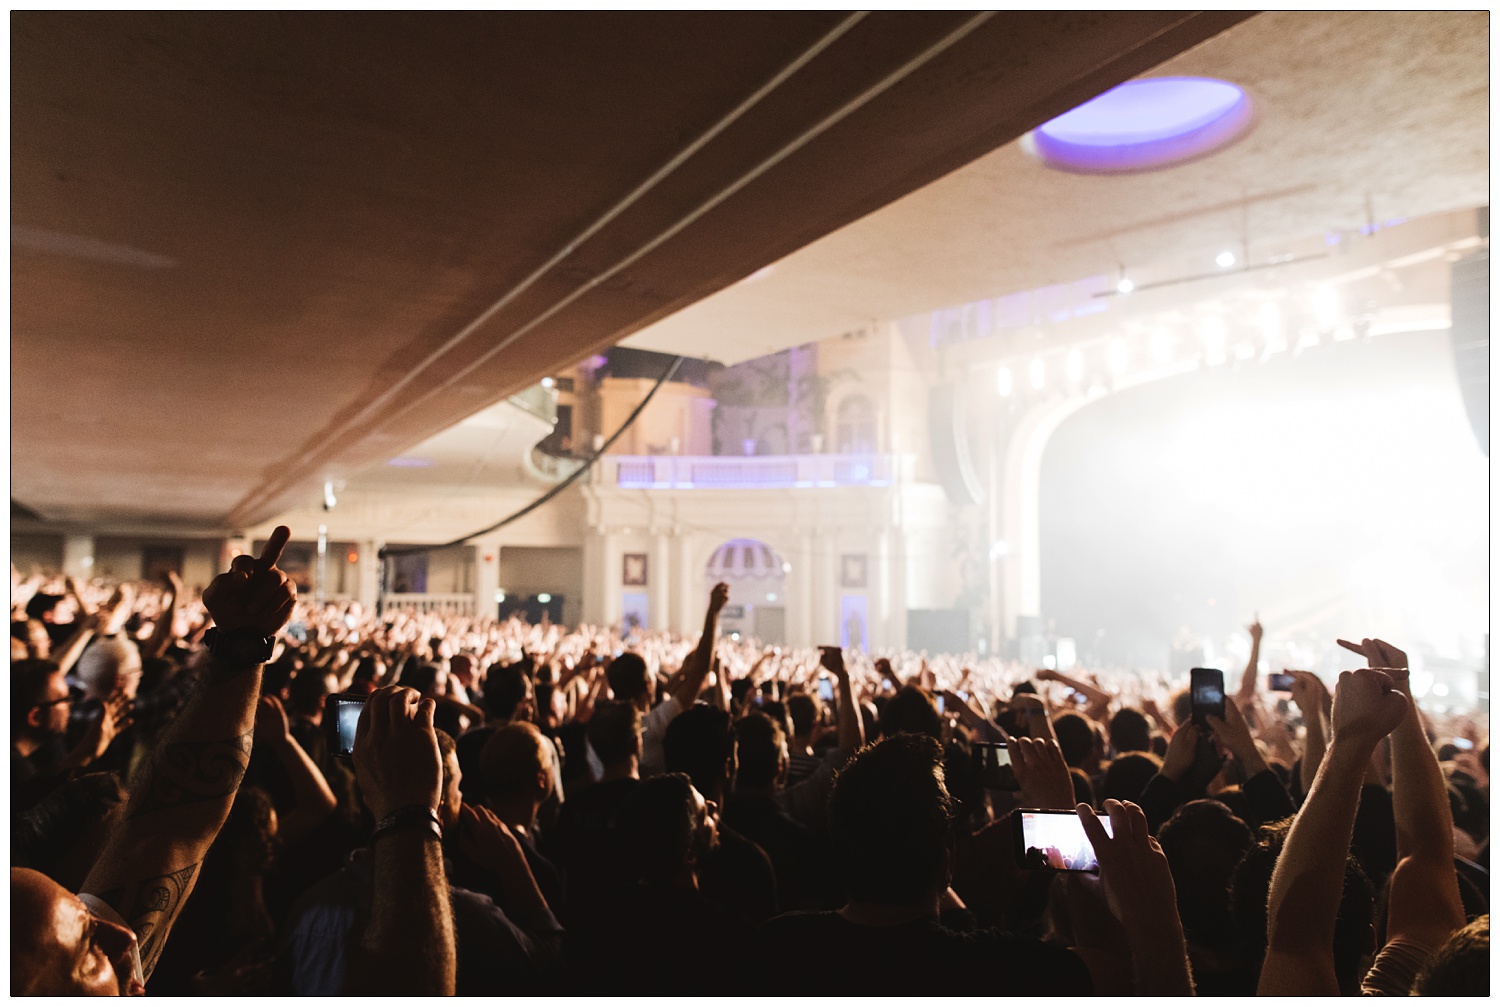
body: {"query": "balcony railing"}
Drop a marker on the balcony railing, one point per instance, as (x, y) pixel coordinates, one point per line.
(768, 472)
(455, 604)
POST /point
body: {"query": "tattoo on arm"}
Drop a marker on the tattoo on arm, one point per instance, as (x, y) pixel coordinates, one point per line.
(153, 909)
(190, 772)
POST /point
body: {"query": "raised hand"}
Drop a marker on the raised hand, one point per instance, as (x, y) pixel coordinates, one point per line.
(1234, 734)
(396, 756)
(1042, 773)
(1256, 630)
(1379, 654)
(1309, 693)
(488, 840)
(271, 724)
(832, 658)
(1182, 752)
(254, 594)
(1366, 707)
(718, 597)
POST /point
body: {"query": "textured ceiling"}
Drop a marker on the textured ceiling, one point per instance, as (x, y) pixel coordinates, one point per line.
(255, 250)
(1358, 114)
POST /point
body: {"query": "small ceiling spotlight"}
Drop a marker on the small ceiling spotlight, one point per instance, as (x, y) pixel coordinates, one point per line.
(1125, 285)
(545, 599)
(548, 383)
(1224, 260)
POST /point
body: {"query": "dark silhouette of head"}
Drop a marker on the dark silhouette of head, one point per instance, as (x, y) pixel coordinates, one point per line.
(1204, 842)
(1461, 966)
(1127, 776)
(760, 751)
(805, 712)
(630, 679)
(890, 822)
(1129, 731)
(911, 711)
(614, 731)
(665, 828)
(700, 743)
(1075, 736)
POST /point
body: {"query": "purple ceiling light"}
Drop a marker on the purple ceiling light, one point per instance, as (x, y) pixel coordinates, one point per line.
(1145, 124)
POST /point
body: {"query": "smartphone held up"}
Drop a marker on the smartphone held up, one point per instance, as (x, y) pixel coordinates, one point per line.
(1055, 841)
(341, 718)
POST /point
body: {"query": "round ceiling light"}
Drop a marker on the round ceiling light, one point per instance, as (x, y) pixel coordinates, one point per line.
(1145, 124)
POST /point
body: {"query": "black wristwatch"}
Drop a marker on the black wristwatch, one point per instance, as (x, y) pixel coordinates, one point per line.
(243, 646)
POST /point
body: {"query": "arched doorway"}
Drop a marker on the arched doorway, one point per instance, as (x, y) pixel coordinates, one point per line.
(756, 575)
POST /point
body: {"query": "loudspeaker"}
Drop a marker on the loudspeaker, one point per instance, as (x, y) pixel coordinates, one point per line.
(950, 444)
(1471, 337)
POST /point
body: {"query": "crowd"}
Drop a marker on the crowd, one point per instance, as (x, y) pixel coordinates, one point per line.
(544, 809)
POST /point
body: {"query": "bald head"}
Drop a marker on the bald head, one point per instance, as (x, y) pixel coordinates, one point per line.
(110, 663)
(59, 948)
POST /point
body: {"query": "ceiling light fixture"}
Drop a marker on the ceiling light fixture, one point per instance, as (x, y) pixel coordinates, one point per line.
(1224, 260)
(1144, 124)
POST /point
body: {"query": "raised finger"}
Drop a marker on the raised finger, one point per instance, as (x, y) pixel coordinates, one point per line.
(1355, 647)
(1091, 828)
(272, 552)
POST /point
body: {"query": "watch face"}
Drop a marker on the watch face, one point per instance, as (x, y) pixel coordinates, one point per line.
(241, 645)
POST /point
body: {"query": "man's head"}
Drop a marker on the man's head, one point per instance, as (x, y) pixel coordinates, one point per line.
(700, 743)
(760, 752)
(614, 731)
(1129, 731)
(1075, 736)
(1461, 966)
(1204, 841)
(38, 701)
(59, 948)
(890, 821)
(805, 712)
(516, 766)
(110, 664)
(630, 680)
(911, 711)
(508, 693)
(667, 829)
(452, 777)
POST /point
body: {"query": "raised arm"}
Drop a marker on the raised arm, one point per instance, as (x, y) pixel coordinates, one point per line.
(851, 728)
(314, 798)
(407, 946)
(1425, 907)
(1311, 697)
(150, 862)
(1309, 876)
(1246, 691)
(695, 668)
(1098, 699)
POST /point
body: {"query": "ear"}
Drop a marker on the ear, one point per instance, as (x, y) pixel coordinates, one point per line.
(34, 717)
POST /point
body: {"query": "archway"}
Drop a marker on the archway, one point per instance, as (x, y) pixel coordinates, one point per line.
(756, 575)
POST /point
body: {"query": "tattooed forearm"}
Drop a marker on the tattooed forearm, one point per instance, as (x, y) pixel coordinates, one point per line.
(217, 670)
(189, 772)
(152, 908)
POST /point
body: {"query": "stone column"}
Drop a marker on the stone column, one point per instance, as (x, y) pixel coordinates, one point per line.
(486, 578)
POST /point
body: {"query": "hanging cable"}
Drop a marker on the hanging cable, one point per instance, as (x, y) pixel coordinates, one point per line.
(554, 491)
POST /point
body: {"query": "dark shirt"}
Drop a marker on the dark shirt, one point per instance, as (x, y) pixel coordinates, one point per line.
(590, 855)
(806, 877)
(654, 939)
(495, 956)
(825, 954)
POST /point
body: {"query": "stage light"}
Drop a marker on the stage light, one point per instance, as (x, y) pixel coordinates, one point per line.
(1224, 260)
(1038, 373)
(548, 382)
(545, 599)
(771, 596)
(499, 597)
(1125, 286)
(1003, 383)
(1118, 356)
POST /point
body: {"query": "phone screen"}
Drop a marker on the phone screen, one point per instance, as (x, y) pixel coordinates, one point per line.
(940, 704)
(1280, 683)
(341, 714)
(993, 761)
(1055, 840)
(1463, 744)
(825, 689)
(1207, 693)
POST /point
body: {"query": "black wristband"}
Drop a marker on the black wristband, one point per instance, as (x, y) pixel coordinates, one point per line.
(418, 817)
